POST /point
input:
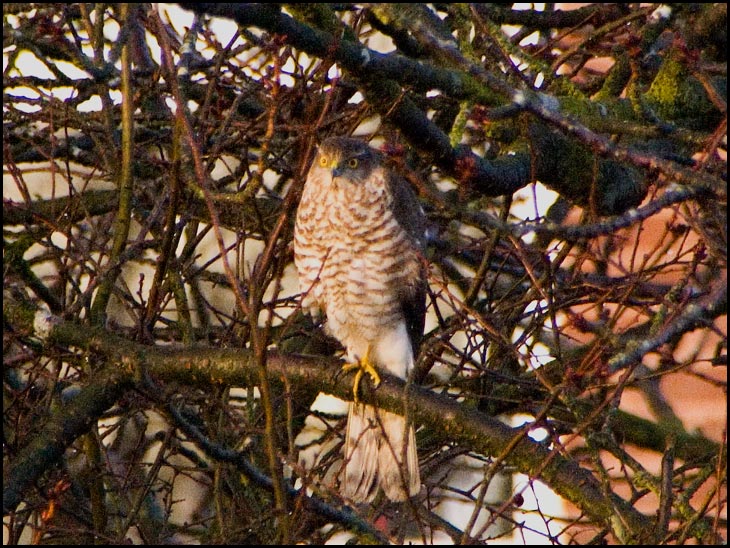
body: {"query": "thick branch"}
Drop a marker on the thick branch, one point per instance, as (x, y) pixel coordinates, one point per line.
(60, 431)
(597, 14)
(234, 213)
(693, 316)
(456, 422)
(69, 208)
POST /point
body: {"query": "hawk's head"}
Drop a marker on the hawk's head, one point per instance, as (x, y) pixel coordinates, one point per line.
(348, 159)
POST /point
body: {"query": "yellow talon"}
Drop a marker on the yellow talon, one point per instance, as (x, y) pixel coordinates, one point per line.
(362, 366)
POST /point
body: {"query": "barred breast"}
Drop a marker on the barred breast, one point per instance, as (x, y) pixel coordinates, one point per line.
(311, 244)
(368, 270)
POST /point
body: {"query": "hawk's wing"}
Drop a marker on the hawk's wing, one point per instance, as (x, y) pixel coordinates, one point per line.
(409, 214)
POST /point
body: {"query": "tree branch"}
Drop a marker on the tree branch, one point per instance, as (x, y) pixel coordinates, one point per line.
(456, 422)
(61, 430)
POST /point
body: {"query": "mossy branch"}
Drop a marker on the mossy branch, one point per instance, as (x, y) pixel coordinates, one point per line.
(453, 421)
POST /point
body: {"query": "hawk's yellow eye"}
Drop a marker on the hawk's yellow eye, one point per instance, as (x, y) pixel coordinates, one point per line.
(323, 161)
(352, 163)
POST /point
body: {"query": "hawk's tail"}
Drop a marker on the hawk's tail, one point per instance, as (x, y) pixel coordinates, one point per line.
(379, 451)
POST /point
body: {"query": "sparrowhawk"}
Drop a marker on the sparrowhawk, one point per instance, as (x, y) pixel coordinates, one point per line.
(358, 239)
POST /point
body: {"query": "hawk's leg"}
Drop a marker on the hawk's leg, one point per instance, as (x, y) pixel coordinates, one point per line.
(364, 365)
